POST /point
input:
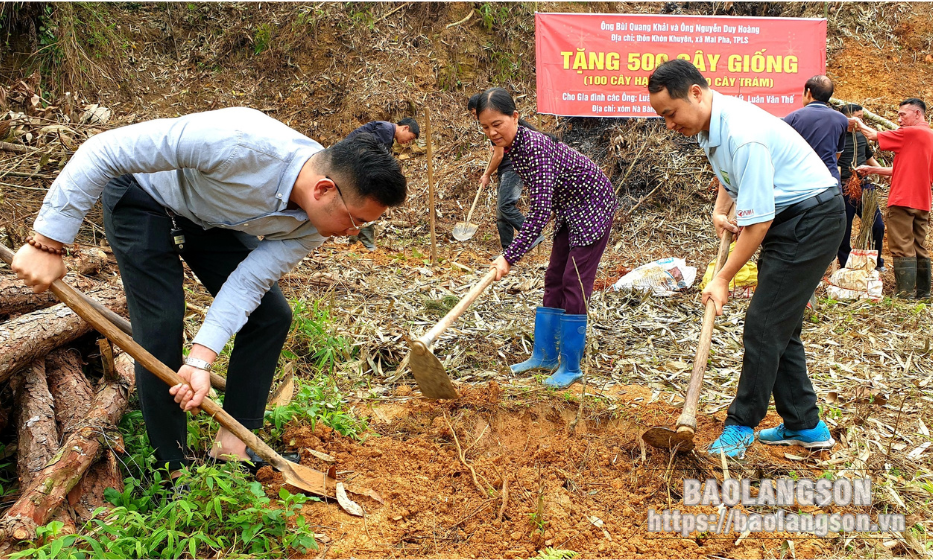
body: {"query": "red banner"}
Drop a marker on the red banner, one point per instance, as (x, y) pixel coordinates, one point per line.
(597, 65)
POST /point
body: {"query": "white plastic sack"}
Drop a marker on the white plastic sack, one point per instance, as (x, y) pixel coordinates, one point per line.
(662, 277)
(872, 291)
(858, 280)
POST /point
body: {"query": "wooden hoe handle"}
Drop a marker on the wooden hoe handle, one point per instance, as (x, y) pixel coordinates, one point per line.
(440, 327)
(475, 200)
(687, 420)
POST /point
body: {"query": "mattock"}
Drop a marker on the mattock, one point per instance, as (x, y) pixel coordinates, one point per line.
(681, 439)
(427, 369)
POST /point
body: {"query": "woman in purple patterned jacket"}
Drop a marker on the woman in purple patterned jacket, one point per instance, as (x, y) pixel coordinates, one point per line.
(566, 184)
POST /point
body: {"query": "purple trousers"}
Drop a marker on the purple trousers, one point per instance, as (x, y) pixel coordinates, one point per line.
(562, 289)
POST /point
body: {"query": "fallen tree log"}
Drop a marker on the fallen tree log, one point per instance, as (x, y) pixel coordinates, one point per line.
(88, 494)
(17, 298)
(51, 485)
(35, 334)
(38, 435)
(69, 387)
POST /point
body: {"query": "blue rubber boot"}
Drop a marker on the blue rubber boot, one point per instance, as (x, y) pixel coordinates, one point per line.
(572, 343)
(547, 335)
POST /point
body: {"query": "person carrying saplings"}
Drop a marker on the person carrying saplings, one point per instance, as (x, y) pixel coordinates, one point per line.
(909, 198)
(857, 152)
(564, 182)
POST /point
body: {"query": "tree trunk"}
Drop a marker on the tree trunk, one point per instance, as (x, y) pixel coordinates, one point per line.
(88, 495)
(69, 387)
(17, 298)
(49, 487)
(35, 334)
(38, 435)
(73, 397)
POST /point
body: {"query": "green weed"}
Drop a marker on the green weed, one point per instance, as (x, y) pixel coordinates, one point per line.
(440, 307)
(504, 67)
(223, 514)
(537, 521)
(315, 403)
(361, 14)
(492, 13)
(313, 340)
(263, 38)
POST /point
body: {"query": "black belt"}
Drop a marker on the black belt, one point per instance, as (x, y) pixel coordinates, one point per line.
(804, 205)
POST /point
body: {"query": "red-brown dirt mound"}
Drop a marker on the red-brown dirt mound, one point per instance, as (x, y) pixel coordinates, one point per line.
(589, 491)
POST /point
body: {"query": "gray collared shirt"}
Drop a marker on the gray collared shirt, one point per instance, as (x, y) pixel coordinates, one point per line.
(231, 168)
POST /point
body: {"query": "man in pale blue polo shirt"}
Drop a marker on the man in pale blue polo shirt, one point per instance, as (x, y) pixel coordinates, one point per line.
(241, 198)
(786, 203)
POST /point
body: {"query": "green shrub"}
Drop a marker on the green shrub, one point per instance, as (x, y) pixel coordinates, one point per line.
(222, 514)
(312, 338)
(315, 403)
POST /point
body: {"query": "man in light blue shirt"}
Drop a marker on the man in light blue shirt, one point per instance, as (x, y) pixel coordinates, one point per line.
(786, 203)
(242, 198)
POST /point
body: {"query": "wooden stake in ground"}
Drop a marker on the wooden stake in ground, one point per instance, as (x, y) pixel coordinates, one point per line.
(427, 134)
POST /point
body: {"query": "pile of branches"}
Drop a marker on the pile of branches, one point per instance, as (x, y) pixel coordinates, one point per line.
(38, 135)
(646, 163)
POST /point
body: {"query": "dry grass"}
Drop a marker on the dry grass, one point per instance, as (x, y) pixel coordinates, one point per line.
(327, 68)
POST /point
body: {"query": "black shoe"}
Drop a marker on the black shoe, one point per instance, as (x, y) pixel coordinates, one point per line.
(258, 462)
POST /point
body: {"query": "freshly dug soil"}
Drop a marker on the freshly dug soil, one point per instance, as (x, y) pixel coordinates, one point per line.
(557, 482)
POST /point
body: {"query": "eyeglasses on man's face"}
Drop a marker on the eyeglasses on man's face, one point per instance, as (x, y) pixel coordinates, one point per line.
(353, 223)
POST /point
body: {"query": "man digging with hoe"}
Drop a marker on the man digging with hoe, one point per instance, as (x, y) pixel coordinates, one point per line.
(205, 188)
(788, 204)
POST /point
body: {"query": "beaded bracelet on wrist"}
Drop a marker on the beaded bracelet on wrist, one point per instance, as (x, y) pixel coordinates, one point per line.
(46, 248)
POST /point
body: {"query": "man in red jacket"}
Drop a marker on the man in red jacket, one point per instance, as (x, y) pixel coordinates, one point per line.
(909, 199)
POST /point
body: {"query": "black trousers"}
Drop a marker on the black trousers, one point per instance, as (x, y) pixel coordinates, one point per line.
(138, 229)
(794, 256)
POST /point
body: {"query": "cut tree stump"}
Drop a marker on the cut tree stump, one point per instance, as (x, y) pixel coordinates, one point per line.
(49, 487)
(33, 335)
